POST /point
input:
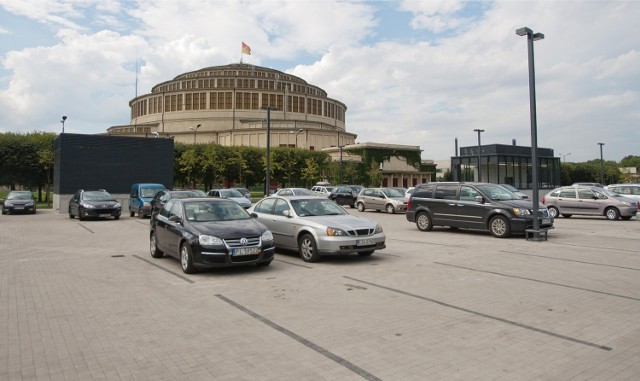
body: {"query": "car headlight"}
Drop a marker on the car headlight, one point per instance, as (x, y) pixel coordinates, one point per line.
(267, 236)
(379, 228)
(30, 203)
(521, 212)
(8, 203)
(146, 205)
(626, 203)
(117, 205)
(87, 206)
(209, 240)
(333, 232)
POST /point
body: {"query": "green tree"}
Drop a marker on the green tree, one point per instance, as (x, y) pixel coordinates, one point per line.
(375, 175)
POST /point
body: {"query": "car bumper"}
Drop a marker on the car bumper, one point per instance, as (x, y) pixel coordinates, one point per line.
(628, 211)
(519, 225)
(206, 258)
(344, 245)
(19, 208)
(101, 212)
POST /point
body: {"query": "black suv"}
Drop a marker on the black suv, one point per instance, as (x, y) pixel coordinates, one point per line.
(478, 206)
(345, 194)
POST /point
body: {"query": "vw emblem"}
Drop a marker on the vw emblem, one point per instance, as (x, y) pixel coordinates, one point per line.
(244, 241)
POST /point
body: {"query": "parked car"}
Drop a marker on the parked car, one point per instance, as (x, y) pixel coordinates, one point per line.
(94, 203)
(345, 194)
(408, 193)
(479, 206)
(322, 190)
(209, 232)
(140, 198)
(245, 192)
(589, 200)
(316, 226)
(590, 184)
(163, 196)
(294, 192)
(389, 199)
(515, 190)
(19, 202)
(231, 194)
(627, 190)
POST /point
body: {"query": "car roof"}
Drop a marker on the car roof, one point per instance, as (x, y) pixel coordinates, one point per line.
(298, 197)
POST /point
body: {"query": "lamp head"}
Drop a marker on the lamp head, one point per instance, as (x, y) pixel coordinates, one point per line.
(301, 130)
(64, 118)
(538, 36)
(523, 31)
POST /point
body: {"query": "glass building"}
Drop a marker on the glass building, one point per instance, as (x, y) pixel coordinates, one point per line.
(506, 164)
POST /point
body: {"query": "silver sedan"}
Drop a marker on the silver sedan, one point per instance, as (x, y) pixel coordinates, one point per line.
(316, 226)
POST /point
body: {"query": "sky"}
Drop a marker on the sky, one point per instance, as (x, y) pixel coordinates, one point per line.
(410, 72)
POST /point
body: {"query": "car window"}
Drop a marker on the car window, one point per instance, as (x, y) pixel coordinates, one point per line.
(468, 193)
(176, 210)
(584, 193)
(393, 192)
(166, 210)
(446, 192)
(280, 207)
(567, 193)
(149, 192)
(367, 192)
(265, 206)
(424, 191)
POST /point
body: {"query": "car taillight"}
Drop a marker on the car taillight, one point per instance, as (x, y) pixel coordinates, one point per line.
(542, 200)
(409, 204)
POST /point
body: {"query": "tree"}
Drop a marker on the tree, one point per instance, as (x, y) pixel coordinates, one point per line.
(375, 175)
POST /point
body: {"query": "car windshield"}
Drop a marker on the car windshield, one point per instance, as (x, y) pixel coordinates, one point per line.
(97, 196)
(185, 194)
(19, 196)
(316, 207)
(230, 193)
(498, 193)
(392, 192)
(510, 187)
(301, 191)
(208, 211)
(608, 192)
(149, 192)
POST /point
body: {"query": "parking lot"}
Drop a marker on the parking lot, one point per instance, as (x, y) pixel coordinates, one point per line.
(84, 300)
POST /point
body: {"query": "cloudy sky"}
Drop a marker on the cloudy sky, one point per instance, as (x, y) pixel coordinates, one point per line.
(410, 72)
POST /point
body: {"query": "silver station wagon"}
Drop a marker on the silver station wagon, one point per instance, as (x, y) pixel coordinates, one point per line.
(316, 226)
(589, 200)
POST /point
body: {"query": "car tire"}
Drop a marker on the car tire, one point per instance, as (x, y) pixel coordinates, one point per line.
(140, 215)
(308, 248)
(360, 207)
(612, 213)
(81, 216)
(626, 218)
(71, 216)
(116, 217)
(365, 253)
(153, 247)
(390, 209)
(263, 264)
(567, 215)
(499, 227)
(423, 222)
(553, 211)
(131, 213)
(186, 259)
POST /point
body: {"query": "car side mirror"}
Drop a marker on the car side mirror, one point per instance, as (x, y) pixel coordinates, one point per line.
(479, 199)
(253, 215)
(175, 218)
(287, 213)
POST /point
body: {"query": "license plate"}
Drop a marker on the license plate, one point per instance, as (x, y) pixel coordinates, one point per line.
(18, 207)
(105, 215)
(245, 251)
(546, 220)
(365, 242)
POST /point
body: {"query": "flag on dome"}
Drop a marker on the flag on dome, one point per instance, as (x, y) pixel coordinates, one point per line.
(246, 49)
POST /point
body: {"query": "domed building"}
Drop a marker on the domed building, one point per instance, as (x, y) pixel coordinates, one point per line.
(228, 105)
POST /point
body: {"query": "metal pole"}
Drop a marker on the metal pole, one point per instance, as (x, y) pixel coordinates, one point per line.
(534, 129)
(64, 118)
(601, 165)
(268, 172)
(340, 169)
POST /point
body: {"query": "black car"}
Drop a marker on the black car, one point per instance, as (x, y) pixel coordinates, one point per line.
(209, 232)
(19, 202)
(96, 203)
(345, 194)
(162, 197)
(480, 206)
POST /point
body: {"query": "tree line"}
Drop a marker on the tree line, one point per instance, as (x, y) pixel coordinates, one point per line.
(27, 161)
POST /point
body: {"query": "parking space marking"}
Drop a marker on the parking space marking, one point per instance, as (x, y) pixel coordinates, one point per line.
(487, 316)
(539, 281)
(86, 228)
(332, 356)
(573, 260)
(424, 243)
(293, 264)
(167, 270)
(596, 247)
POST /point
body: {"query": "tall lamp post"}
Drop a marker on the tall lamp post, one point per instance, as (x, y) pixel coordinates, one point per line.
(479, 131)
(299, 132)
(267, 174)
(64, 118)
(564, 155)
(531, 37)
(601, 165)
(195, 131)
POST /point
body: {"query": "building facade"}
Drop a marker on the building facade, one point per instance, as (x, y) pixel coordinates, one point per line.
(226, 105)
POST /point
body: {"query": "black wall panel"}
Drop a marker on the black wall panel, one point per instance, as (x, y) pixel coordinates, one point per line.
(110, 162)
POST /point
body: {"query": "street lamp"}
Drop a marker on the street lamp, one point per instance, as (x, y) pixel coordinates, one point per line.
(267, 175)
(564, 156)
(601, 165)
(531, 37)
(195, 131)
(64, 118)
(299, 132)
(479, 131)
(340, 168)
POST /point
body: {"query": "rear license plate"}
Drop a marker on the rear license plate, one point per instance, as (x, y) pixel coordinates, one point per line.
(365, 242)
(245, 251)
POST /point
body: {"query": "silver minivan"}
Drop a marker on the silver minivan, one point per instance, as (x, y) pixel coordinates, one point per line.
(589, 200)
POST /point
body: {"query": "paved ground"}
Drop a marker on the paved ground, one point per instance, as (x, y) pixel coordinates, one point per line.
(85, 301)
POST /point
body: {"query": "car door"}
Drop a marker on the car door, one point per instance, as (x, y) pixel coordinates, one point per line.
(281, 226)
(444, 205)
(174, 229)
(567, 201)
(73, 203)
(470, 212)
(588, 202)
(161, 221)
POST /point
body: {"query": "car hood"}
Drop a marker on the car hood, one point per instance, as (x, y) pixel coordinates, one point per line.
(239, 200)
(399, 199)
(230, 229)
(105, 203)
(344, 221)
(18, 202)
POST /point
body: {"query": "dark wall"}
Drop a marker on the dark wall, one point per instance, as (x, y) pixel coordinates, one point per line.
(110, 162)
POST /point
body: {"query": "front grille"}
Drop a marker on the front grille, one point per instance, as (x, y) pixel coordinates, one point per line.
(244, 258)
(235, 242)
(361, 232)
